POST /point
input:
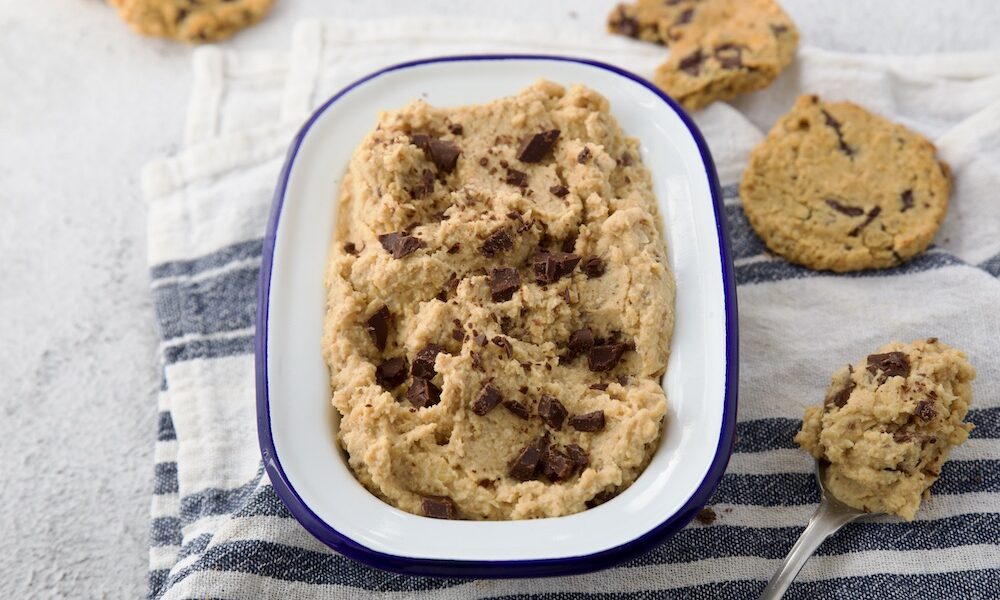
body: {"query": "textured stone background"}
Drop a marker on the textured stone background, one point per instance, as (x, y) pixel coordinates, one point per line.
(83, 104)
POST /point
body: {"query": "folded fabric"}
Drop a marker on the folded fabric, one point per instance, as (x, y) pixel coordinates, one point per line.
(218, 529)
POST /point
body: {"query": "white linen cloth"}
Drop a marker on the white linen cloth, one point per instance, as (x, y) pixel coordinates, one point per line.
(219, 531)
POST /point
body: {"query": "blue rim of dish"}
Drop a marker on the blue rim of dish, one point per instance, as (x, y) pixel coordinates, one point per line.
(505, 568)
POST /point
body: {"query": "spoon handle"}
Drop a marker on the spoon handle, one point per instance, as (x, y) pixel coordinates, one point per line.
(828, 518)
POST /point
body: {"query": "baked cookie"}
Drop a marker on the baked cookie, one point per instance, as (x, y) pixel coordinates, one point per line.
(191, 20)
(836, 187)
(888, 423)
(719, 48)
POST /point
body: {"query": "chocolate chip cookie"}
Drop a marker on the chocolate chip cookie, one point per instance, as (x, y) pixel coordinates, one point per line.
(499, 307)
(836, 187)
(193, 21)
(888, 423)
(718, 48)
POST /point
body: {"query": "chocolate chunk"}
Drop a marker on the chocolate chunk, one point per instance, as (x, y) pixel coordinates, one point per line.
(850, 211)
(599, 386)
(777, 29)
(605, 357)
(457, 334)
(438, 507)
(423, 362)
(517, 408)
(442, 153)
(426, 185)
(593, 267)
(730, 56)
(534, 148)
(506, 324)
(503, 283)
(559, 190)
(552, 412)
(706, 516)
(901, 437)
(626, 25)
(835, 124)
(454, 248)
(496, 242)
(399, 244)
(925, 410)
(685, 17)
(691, 64)
(525, 463)
(551, 266)
(516, 178)
(840, 398)
(583, 156)
(626, 159)
(480, 339)
(622, 380)
(907, 199)
(578, 455)
(488, 399)
(351, 249)
(377, 327)
(423, 393)
(581, 341)
(456, 129)
(391, 372)
(871, 217)
(556, 465)
(484, 161)
(504, 344)
(592, 421)
(891, 364)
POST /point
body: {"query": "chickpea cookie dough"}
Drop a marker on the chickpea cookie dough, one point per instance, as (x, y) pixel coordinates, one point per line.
(888, 423)
(499, 307)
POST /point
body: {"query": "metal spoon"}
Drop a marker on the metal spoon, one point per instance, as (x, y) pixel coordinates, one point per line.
(831, 515)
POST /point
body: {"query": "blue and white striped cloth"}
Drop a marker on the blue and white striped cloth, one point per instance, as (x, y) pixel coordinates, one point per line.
(218, 529)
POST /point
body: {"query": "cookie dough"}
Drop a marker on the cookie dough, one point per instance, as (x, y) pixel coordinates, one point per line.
(718, 48)
(191, 20)
(836, 187)
(499, 307)
(888, 423)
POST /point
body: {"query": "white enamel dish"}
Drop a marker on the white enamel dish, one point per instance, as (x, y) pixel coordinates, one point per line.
(297, 424)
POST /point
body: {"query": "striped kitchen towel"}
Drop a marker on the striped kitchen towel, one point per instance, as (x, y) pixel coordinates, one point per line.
(218, 529)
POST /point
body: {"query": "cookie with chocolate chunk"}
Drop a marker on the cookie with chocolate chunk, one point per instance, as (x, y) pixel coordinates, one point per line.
(193, 21)
(835, 187)
(718, 48)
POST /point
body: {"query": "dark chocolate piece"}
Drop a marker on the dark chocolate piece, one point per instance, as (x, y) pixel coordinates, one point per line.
(516, 178)
(423, 362)
(593, 267)
(438, 507)
(846, 209)
(399, 244)
(391, 373)
(442, 153)
(605, 357)
(626, 25)
(925, 410)
(871, 217)
(423, 393)
(503, 283)
(559, 190)
(551, 266)
(426, 185)
(552, 412)
(891, 364)
(835, 125)
(496, 242)
(583, 156)
(592, 421)
(488, 399)
(525, 463)
(504, 344)
(556, 465)
(626, 159)
(691, 64)
(456, 129)
(599, 386)
(517, 408)
(480, 339)
(730, 56)
(840, 398)
(581, 341)
(351, 249)
(907, 199)
(377, 327)
(578, 455)
(534, 148)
